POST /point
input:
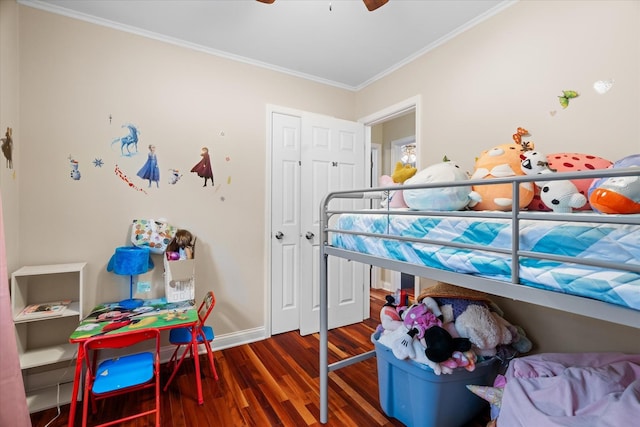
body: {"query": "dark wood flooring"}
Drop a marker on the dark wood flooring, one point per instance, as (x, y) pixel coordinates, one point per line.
(273, 382)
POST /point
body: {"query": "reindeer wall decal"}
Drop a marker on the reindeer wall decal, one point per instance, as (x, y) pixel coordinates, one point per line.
(128, 141)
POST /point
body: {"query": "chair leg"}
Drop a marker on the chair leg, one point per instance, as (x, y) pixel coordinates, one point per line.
(157, 389)
(85, 399)
(175, 369)
(172, 359)
(210, 357)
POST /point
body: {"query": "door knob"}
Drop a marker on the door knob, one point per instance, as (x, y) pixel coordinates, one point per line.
(309, 235)
(279, 235)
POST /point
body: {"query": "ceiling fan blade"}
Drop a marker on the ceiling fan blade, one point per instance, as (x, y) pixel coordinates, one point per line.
(374, 4)
(371, 4)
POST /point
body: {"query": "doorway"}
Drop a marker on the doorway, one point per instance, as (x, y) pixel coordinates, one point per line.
(394, 136)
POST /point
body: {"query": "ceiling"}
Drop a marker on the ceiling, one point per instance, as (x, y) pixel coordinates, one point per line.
(337, 42)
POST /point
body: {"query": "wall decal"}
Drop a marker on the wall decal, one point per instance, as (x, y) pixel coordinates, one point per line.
(603, 86)
(98, 163)
(126, 179)
(520, 132)
(128, 142)
(174, 176)
(203, 167)
(7, 147)
(566, 96)
(150, 169)
(75, 172)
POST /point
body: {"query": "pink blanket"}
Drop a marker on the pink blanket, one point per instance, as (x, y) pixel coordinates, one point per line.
(572, 390)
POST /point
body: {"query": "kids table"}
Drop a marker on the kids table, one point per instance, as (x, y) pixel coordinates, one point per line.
(112, 318)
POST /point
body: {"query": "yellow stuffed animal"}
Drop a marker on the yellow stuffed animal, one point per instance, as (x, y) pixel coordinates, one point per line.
(403, 172)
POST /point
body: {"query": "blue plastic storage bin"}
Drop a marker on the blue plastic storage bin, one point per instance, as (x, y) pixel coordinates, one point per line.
(412, 393)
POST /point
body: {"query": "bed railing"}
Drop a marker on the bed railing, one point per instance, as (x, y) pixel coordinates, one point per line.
(560, 301)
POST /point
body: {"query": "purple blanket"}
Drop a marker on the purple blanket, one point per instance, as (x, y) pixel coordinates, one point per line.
(572, 390)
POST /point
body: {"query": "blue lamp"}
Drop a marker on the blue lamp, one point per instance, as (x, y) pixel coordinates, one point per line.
(130, 261)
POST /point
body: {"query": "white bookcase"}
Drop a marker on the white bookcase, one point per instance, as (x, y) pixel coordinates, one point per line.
(47, 359)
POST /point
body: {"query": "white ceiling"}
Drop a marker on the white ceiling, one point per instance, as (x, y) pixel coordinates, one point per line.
(338, 42)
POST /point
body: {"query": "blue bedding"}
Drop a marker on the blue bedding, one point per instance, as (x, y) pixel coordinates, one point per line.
(604, 242)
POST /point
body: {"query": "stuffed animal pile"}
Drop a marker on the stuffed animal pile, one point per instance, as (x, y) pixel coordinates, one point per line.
(608, 196)
(450, 327)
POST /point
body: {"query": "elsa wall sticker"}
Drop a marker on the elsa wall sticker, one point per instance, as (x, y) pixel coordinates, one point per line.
(150, 170)
(203, 167)
(7, 147)
(129, 142)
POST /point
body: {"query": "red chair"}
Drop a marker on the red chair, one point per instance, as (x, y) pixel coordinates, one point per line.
(123, 374)
(181, 337)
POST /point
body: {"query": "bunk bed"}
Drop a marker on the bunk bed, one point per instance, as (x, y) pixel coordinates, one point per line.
(593, 271)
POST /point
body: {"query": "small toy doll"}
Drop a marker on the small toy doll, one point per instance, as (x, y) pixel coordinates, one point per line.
(181, 246)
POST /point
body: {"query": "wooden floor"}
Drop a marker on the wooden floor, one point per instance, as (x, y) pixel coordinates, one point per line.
(268, 383)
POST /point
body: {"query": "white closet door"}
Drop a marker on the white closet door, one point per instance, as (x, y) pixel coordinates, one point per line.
(332, 159)
(312, 155)
(285, 223)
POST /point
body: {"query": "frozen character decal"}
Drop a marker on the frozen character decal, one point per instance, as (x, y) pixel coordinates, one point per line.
(150, 170)
(174, 176)
(203, 168)
(7, 147)
(75, 172)
(128, 142)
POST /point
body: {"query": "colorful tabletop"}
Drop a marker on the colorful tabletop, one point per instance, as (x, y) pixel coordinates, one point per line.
(112, 318)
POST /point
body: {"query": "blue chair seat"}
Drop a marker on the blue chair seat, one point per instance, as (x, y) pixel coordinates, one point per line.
(180, 336)
(123, 372)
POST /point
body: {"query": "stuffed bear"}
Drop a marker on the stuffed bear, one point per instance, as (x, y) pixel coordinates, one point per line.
(618, 195)
(391, 315)
(571, 162)
(561, 196)
(475, 317)
(499, 162)
(440, 199)
(401, 173)
(395, 198)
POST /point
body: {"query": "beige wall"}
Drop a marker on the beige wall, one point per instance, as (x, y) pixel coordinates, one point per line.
(475, 90)
(74, 76)
(9, 117)
(507, 72)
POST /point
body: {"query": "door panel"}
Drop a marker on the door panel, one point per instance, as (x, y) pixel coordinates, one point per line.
(285, 219)
(335, 150)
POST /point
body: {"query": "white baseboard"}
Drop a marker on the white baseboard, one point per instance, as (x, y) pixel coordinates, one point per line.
(220, 342)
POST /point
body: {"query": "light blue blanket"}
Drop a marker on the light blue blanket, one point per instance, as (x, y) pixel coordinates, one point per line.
(604, 242)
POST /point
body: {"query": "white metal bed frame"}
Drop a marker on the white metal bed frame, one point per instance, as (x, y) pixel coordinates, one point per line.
(514, 290)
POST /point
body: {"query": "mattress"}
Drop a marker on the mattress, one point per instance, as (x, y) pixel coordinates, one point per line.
(591, 241)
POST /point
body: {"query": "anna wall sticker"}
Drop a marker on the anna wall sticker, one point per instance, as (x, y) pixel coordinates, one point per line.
(203, 167)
